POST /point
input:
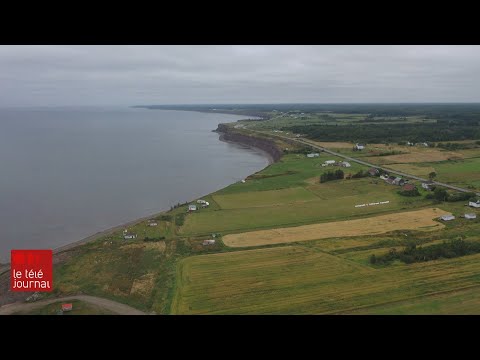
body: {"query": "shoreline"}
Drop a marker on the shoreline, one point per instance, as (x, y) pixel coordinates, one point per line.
(57, 251)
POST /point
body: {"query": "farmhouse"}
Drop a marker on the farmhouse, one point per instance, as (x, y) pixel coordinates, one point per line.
(192, 207)
(475, 204)
(311, 155)
(390, 179)
(201, 201)
(470, 216)
(206, 204)
(398, 181)
(345, 164)
(359, 146)
(329, 162)
(208, 242)
(427, 185)
(373, 171)
(447, 217)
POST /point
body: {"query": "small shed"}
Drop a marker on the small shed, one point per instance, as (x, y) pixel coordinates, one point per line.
(345, 164)
(152, 223)
(359, 146)
(329, 162)
(129, 236)
(67, 307)
(201, 201)
(475, 204)
(208, 242)
(192, 207)
(313, 155)
(470, 216)
(447, 217)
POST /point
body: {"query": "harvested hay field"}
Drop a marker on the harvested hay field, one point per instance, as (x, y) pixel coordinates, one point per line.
(413, 169)
(334, 145)
(418, 155)
(411, 220)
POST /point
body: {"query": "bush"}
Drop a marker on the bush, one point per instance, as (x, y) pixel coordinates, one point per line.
(330, 175)
(461, 196)
(154, 239)
(179, 219)
(414, 192)
(360, 174)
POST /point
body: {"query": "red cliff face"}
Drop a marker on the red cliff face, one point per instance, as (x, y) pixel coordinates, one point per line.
(266, 145)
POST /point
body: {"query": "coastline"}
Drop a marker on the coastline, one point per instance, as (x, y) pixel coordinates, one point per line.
(272, 158)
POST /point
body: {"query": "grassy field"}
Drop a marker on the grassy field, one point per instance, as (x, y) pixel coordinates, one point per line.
(461, 172)
(462, 302)
(264, 198)
(421, 220)
(329, 209)
(306, 280)
(412, 169)
(79, 308)
(288, 193)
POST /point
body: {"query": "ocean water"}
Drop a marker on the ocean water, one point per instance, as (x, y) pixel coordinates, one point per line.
(67, 173)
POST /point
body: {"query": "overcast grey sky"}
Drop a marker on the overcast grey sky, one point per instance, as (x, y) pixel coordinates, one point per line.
(131, 75)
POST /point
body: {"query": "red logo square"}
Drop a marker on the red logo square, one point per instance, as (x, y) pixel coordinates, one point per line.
(31, 270)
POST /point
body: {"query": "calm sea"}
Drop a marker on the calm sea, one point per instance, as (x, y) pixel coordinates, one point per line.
(66, 173)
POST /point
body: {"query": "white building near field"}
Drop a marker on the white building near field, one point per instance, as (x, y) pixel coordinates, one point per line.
(470, 216)
(447, 217)
(359, 146)
(313, 155)
(475, 204)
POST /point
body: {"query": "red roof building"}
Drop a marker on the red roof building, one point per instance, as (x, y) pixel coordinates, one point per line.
(67, 307)
(409, 187)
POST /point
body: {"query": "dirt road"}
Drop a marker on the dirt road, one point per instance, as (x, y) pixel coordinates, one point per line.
(113, 306)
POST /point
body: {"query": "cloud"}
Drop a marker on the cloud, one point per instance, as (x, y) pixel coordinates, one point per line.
(129, 75)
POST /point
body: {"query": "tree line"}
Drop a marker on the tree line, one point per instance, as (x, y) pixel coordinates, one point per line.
(412, 253)
(373, 133)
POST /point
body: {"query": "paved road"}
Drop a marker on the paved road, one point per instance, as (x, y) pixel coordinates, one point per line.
(113, 306)
(390, 171)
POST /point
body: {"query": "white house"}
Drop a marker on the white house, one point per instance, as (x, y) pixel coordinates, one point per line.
(313, 155)
(447, 217)
(475, 204)
(201, 201)
(345, 164)
(207, 204)
(470, 216)
(359, 146)
(192, 207)
(329, 162)
(427, 185)
(208, 242)
(152, 223)
(129, 236)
